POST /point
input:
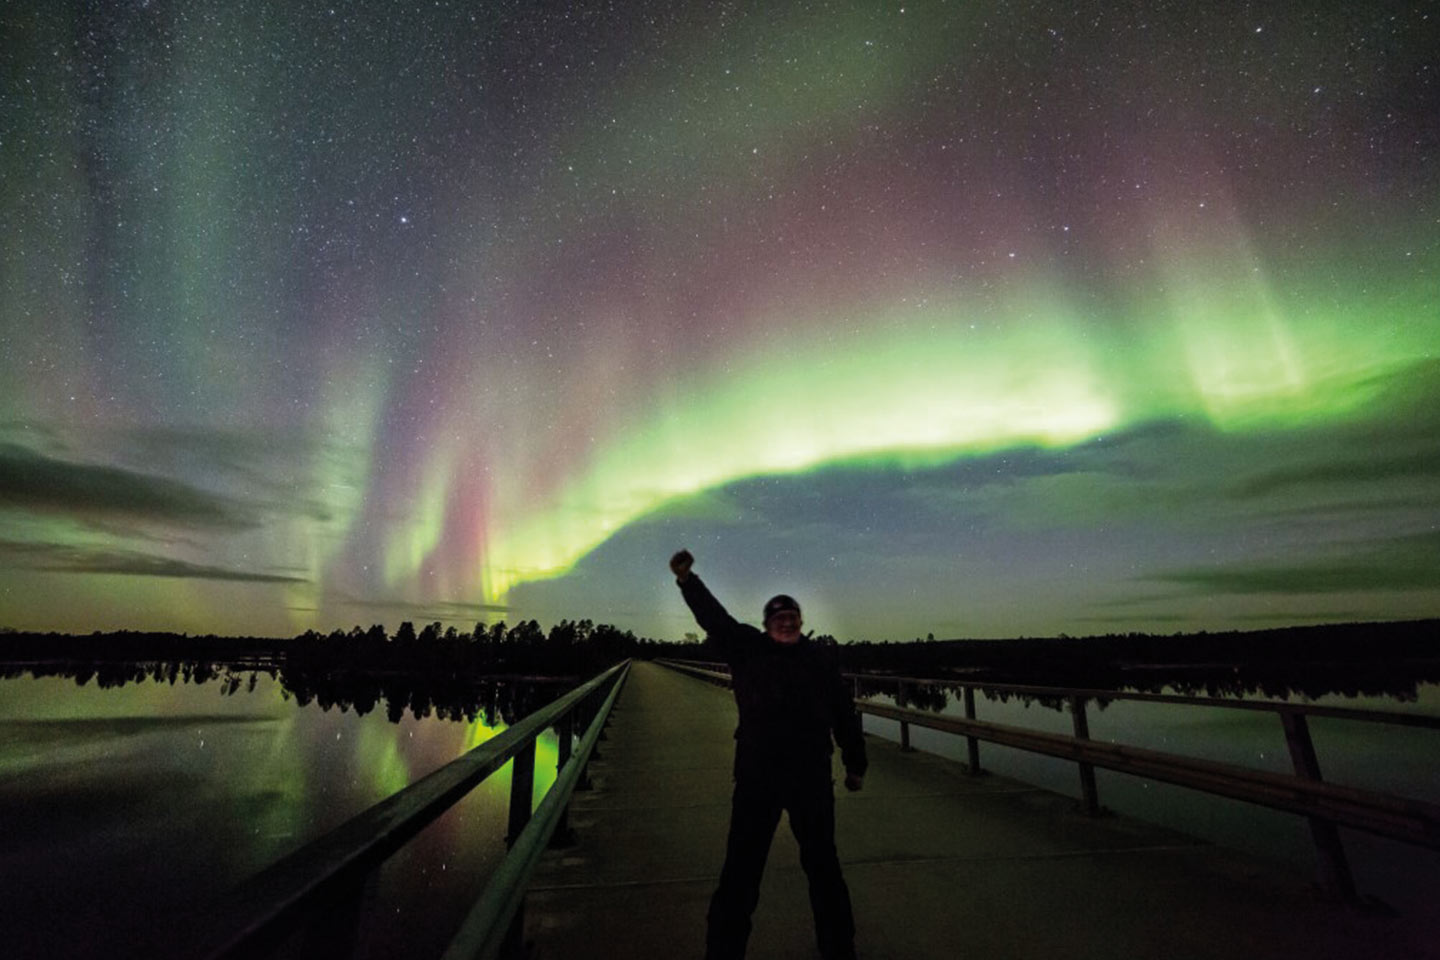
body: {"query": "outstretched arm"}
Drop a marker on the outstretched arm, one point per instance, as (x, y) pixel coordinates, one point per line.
(712, 617)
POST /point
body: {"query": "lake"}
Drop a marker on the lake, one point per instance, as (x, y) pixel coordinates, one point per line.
(125, 807)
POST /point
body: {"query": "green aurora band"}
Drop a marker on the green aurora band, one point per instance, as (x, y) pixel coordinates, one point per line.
(920, 388)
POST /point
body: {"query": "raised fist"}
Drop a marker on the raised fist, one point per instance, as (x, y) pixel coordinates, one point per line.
(680, 564)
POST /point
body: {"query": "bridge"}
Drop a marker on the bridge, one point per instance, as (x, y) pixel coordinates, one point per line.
(940, 862)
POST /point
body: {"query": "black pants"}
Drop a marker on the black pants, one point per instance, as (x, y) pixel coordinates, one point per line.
(754, 813)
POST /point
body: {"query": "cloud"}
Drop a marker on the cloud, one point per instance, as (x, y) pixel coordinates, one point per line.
(29, 432)
(430, 609)
(60, 558)
(1300, 616)
(1138, 618)
(275, 465)
(1402, 563)
(1309, 578)
(238, 450)
(1420, 464)
(1269, 616)
(34, 482)
(275, 469)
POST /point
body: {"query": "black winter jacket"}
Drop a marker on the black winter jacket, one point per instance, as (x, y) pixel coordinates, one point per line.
(791, 696)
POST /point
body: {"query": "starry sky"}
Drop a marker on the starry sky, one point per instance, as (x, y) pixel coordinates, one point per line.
(973, 319)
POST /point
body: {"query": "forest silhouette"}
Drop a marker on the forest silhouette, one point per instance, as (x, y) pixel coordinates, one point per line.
(1350, 659)
(501, 672)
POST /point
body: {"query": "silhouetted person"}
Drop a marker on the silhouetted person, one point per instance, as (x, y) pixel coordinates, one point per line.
(791, 698)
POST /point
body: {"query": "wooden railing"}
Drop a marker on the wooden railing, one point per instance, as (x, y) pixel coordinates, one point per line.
(1327, 806)
(321, 884)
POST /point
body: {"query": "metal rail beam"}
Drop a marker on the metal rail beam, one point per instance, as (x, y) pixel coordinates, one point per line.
(483, 931)
(1400, 818)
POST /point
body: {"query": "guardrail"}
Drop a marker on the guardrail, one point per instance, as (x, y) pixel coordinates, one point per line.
(1327, 806)
(323, 882)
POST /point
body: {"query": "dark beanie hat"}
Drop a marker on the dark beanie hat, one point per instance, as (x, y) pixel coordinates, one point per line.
(779, 603)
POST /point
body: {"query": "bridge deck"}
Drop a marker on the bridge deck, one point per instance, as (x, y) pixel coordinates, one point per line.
(939, 864)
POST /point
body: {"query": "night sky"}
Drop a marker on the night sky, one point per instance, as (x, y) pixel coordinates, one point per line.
(973, 319)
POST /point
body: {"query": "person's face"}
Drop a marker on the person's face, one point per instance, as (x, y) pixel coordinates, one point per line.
(784, 627)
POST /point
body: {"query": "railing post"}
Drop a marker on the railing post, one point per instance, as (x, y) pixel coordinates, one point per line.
(592, 709)
(972, 745)
(1335, 873)
(900, 692)
(582, 721)
(564, 734)
(1089, 799)
(522, 790)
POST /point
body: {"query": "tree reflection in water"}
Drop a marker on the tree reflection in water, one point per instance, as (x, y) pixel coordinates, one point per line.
(494, 700)
(497, 673)
(1399, 681)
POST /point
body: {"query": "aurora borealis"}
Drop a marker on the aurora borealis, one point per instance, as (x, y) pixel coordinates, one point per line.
(978, 319)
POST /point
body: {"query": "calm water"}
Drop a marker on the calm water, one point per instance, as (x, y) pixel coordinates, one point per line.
(1397, 760)
(124, 807)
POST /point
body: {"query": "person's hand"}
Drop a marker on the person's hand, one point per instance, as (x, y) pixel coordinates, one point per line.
(680, 565)
(854, 781)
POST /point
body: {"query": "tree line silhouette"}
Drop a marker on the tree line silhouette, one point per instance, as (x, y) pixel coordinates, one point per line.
(498, 670)
(569, 648)
(1351, 659)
